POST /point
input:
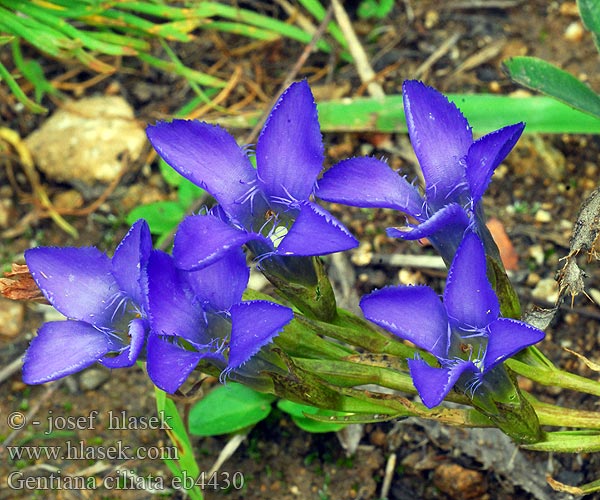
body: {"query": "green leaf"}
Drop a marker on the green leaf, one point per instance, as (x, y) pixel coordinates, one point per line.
(375, 9)
(544, 77)
(162, 216)
(299, 414)
(188, 193)
(590, 14)
(170, 175)
(227, 409)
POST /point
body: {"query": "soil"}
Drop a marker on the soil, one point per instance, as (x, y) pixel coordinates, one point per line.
(535, 196)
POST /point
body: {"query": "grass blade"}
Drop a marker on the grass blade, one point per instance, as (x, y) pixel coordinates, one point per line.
(485, 112)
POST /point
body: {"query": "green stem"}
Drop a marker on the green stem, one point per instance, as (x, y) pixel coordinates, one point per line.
(555, 377)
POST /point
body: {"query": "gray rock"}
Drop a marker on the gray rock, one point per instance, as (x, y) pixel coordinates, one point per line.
(93, 378)
(83, 143)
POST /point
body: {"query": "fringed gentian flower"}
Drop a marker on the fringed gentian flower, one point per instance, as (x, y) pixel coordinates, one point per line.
(103, 300)
(464, 333)
(200, 315)
(269, 206)
(456, 169)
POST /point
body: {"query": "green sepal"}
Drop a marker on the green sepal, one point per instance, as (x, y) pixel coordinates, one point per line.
(305, 284)
(500, 399)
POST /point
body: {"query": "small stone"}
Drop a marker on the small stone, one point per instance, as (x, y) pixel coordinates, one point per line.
(459, 482)
(574, 32)
(93, 378)
(543, 216)
(536, 252)
(363, 255)
(69, 199)
(569, 9)
(432, 17)
(546, 290)
(84, 142)
(12, 315)
(406, 277)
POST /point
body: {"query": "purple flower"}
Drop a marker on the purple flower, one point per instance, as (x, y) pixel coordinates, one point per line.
(465, 333)
(200, 314)
(271, 205)
(103, 301)
(457, 171)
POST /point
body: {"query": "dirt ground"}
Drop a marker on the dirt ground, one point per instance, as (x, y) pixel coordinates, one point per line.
(534, 196)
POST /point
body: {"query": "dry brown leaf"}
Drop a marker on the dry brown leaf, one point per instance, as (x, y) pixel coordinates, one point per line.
(18, 284)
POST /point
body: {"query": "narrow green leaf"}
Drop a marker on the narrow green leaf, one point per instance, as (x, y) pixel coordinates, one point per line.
(301, 416)
(184, 464)
(485, 113)
(544, 77)
(18, 92)
(227, 409)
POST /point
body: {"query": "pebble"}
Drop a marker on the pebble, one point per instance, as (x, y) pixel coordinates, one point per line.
(84, 142)
(574, 32)
(546, 290)
(543, 216)
(458, 482)
(12, 315)
(569, 9)
(93, 378)
(536, 252)
(363, 255)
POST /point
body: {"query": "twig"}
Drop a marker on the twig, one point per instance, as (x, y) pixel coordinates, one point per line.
(8, 370)
(220, 97)
(479, 57)
(482, 4)
(436, 55)
(418, 261)
(365, 71)
(232, 445)
(12, 138)
(390, 467)
(251, 137)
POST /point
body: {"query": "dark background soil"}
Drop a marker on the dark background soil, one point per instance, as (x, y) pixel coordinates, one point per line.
(553, 174)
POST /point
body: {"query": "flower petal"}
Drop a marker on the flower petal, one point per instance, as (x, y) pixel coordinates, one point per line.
(172, 309)
(369, 182)
(486, 153)
(434, 384)
(208, 156)
(62, 348)
(221, 284)
(440, 136)
(253, 325)
(168, 364)
(130, 258)
(506, 338)
(316, 232)
(76, 281)
(469, 298)
(289, 152)
(202, 239)
(413, 313)
(444, 229)
(128, 356)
